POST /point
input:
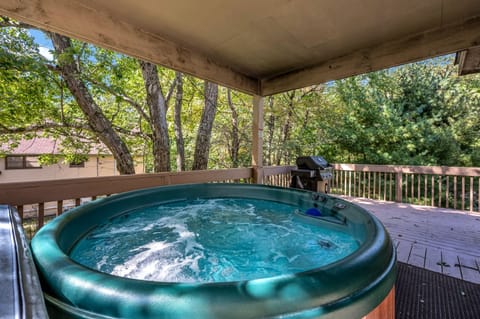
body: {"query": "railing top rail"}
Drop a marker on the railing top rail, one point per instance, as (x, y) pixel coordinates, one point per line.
(276, 170)
(410, 169)
(21, 193)
(53, 190)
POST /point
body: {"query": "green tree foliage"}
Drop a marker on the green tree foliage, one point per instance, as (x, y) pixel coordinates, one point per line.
(418, 114)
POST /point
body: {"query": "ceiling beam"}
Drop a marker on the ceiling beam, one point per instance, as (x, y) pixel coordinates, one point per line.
(468, 61)
(73, 19)
(444, 40)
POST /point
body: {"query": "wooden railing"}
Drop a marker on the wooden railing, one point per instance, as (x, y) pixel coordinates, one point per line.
(450, 187)
(440, 186)
(38, 200)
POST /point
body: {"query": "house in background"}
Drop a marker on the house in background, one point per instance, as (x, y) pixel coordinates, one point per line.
(22, 163)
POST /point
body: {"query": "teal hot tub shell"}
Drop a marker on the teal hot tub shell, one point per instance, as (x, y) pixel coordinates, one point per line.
(349, 288)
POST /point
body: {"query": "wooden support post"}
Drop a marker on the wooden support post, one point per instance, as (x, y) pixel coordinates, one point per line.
(257, 140)
(398, 187)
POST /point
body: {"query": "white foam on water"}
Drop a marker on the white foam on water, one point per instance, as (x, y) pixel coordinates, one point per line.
(159, 261)
(208, 241)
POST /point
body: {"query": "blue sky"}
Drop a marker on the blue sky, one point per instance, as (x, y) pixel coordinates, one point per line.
(41, 39)
(45, 44)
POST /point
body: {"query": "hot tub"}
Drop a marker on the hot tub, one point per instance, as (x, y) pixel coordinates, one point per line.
(356, 284)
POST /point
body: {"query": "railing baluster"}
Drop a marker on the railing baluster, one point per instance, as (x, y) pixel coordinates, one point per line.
(336, 179)
(439, 190)
(384, 186)
(398, 187)
(359, 187)
(41, 215)
(390, 187)
(364, 183)
(425, 194)
(447, 192)
(418, 189)
(380, 185)
(349, 183)
(471, 193)
(454, 192)
(478, 202)
(406, 188)
(59, 207)
(463, 192)
(368, 195)
(354, 183)
(433, 190)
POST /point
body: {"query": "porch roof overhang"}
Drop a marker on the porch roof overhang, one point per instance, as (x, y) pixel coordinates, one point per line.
(263, 47)
(468, 61)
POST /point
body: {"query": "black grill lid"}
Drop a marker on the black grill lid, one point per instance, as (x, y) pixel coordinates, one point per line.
(312, 162)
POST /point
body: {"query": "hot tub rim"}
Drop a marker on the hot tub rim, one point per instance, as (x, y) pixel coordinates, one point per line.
(381, 238)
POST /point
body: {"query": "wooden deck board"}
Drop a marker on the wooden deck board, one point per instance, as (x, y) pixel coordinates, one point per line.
(450, 264)
(438, 239)
(469, 269)
(433, 259)
(403, 251)
(417, 255)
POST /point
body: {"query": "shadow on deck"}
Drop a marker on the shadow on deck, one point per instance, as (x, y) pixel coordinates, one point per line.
(443, 240)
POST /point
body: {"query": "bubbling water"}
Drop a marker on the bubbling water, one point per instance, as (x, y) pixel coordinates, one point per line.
(210, 240)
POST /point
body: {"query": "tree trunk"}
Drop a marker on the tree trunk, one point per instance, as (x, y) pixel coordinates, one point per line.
(235, 146)
(100, 125)
(177, 121)
(158, 117)
(202, 144)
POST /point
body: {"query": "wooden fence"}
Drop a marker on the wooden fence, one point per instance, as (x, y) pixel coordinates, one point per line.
(440, 186)
(449, 187)
(38, 200)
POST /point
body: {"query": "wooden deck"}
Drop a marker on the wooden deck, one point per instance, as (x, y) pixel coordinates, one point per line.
(443, 240)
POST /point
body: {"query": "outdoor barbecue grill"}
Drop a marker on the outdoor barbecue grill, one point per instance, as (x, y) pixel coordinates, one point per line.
(313, 173)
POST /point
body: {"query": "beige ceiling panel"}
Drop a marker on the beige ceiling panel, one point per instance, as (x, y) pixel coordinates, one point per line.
(239, 43)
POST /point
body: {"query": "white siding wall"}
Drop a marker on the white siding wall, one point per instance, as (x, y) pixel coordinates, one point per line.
(104, 167)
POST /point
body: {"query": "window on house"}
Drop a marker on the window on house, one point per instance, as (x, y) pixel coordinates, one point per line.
(22, 162)
(77, 164)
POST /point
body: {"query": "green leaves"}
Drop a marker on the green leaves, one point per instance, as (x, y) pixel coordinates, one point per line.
(420, 113)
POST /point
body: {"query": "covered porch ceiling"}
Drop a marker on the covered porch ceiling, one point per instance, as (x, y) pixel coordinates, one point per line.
(263, 47)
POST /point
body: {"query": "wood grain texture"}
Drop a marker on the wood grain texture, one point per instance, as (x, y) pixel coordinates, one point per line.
(442, 240)
(257, 139)
(416, 47)
(385, 310)
(76, 20)
(236, 44)
(406, 169)
(54, 190)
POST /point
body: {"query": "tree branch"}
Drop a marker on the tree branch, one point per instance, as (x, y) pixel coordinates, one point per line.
(121, 95)
(135, 133)
(41, 127)
(170, 92)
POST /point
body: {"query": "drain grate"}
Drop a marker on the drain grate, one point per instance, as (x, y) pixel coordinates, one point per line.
(424, 294)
